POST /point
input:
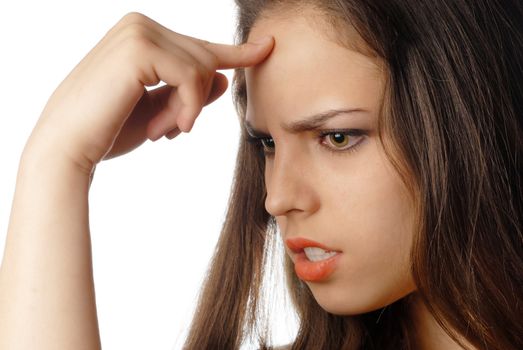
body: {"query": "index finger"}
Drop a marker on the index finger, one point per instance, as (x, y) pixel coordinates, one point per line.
(243, 55)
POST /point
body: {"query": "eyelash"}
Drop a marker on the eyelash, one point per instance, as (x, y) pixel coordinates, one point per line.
(258, 141)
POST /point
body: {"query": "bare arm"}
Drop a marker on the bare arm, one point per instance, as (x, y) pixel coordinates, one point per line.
(47, 297)
(100, 110)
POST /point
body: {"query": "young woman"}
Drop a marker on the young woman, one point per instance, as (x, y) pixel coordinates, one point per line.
(381, 142)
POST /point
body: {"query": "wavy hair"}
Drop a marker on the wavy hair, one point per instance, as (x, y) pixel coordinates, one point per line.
(453, 107)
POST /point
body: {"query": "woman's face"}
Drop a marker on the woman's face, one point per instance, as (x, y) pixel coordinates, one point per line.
(338, 190)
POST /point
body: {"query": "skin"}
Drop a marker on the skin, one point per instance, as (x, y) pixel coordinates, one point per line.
(100, 111)
(354, 202)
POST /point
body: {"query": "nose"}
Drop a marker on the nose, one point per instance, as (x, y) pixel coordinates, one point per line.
(290, 186)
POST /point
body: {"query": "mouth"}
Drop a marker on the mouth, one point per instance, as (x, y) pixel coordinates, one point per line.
(309, 249)
(313, 261)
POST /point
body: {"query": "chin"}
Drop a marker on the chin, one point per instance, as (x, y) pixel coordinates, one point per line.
(341, 303)
(347, 308)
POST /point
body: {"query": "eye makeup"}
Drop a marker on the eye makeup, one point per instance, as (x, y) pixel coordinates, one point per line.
(324, 137)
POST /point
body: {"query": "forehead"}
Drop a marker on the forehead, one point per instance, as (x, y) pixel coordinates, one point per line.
(308, 71)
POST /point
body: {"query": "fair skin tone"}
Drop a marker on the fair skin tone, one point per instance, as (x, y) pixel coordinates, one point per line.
(353, 202)
(100, 111)
(47, 301)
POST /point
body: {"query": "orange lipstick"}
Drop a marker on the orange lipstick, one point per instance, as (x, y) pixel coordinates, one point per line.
(307, 270)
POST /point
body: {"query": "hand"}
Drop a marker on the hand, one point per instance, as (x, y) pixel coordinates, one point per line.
(102, 109)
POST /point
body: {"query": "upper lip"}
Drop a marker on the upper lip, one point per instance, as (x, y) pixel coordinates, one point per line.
(297, 244)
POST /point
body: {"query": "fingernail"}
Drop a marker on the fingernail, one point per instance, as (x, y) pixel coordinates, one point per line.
(155, 138)
(173, 133)
(158, 135)
(160, 132)
(263, 40)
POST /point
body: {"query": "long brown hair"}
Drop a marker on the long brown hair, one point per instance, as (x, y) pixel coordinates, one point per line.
(453, 107)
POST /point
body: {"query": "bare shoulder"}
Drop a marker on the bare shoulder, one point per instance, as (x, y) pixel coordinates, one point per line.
(283, 347)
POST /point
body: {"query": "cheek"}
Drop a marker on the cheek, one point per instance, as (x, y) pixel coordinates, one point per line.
(372, 208)
(377, 222)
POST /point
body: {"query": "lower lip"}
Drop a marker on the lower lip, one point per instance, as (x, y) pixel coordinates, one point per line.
(314, 271)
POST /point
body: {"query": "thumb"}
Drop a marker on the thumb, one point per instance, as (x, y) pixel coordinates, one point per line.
(219, 86)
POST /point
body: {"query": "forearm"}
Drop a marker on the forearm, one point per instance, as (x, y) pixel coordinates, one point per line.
(47, 297)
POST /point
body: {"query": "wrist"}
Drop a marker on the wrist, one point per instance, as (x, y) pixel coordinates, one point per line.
(58, 165)
(44, 156)
(45, 147)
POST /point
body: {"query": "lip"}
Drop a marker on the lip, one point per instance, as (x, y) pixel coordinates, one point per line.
(297, 244)
(315, 271)
(312, 271)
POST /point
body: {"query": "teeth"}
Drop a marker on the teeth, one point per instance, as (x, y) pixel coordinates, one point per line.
(317, 254)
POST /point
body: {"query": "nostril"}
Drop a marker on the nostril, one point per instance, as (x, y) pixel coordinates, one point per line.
(276, 205)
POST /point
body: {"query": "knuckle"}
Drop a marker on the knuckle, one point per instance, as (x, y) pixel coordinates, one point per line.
(205, 75)
(214, 62)
(192, 73)
(135, 30)
(133, 24)
(136, 39)
(137, 45)
(210, 58)
(199, 73)
(132, 18)
(193, 95)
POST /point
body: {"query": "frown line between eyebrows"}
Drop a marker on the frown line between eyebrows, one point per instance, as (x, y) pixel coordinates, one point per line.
(312, 122)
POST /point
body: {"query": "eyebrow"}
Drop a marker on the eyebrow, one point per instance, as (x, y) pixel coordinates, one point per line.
(312, 122)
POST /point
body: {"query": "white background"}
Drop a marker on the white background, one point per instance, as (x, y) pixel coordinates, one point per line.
(155, 213)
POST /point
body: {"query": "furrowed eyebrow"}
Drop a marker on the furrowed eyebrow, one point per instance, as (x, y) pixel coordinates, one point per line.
(307, 124)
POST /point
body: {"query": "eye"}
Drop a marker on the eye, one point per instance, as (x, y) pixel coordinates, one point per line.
(341, 140)
(338, 139)
(263, 143)
(335, 141)
(267, 143)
